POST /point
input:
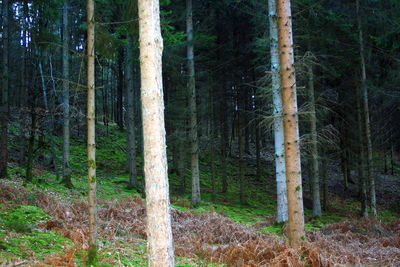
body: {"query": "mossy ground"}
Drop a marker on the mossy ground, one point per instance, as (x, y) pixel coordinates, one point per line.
(20, 237)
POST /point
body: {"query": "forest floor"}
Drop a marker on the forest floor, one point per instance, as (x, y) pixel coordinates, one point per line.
(45, 224)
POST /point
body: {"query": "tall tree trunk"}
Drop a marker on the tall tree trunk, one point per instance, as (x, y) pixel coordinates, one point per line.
(66, 174)
(159, 233)
(212, 140)
(91, 134)
(392, 159)
(367, 127)
(120, 89)
(290, 125)
(361, 159)
(130, 96)
(280, 172)
(193, 135)
(241, 143)
(314, 146)
(224, 141)
(49, 118)
(31, 146)
(325, 180)
(4, 106)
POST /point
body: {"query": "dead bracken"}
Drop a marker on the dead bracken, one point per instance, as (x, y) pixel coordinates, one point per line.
(212, 237)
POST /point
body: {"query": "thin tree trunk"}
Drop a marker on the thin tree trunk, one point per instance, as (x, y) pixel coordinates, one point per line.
(324, 174)
(66, 180)
(49, 118)
(91, 134)
(385, 169)
(120, 89)
(314, 146)
(280, 173)
(31, 144)
(290, 125)
(345, 166)
(361, 160)
(130, 96)
(212, 140)
(367, 127)
(196, 198)
(159, 233)
(241, 144)
(4, 105)
(392, 160)
(224, 142)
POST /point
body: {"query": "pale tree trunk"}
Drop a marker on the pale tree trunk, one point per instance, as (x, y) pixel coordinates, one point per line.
(159, 233)
(4, 108)
(66, 173)
(314, 146)
(367, 127)
(131, 117)
(280, 173)
(194, 146)
(290, 125)
(361, 160)
(91, 142)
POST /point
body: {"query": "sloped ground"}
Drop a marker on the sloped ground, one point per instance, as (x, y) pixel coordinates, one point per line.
(208, 236)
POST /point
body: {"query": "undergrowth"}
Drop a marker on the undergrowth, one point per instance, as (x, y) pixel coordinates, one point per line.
(45, 223)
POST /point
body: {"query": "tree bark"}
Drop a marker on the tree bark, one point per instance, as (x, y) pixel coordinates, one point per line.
(159, 233)
(66, 173)
(49, 120)
(4, 105)
(361, 159)
(314, 146)
(212, 140)
(31, 145)
(280, 172)
(91, 142)
(120, 88)
(367, 127)
(224, 142)
(193, 135)
(290, 125)
(130, 96)
(241, 144)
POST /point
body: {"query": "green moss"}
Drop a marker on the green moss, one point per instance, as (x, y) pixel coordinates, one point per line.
(34, 244)
(23, 218)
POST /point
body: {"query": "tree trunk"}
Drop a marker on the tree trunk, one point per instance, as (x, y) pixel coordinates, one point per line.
(212, 140)
(314, 146)
(325, 180)
(49, 119)
(120, 89)
(361, 159)
(66, 174)
(196, 198)
(290, 125)
(159, 233)
(31, 145)
(91, 142)
(280, 173)
(392, 160)
(241, 144)
(224, 142)
(130, 96)
(4, 106)
(367, 127)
